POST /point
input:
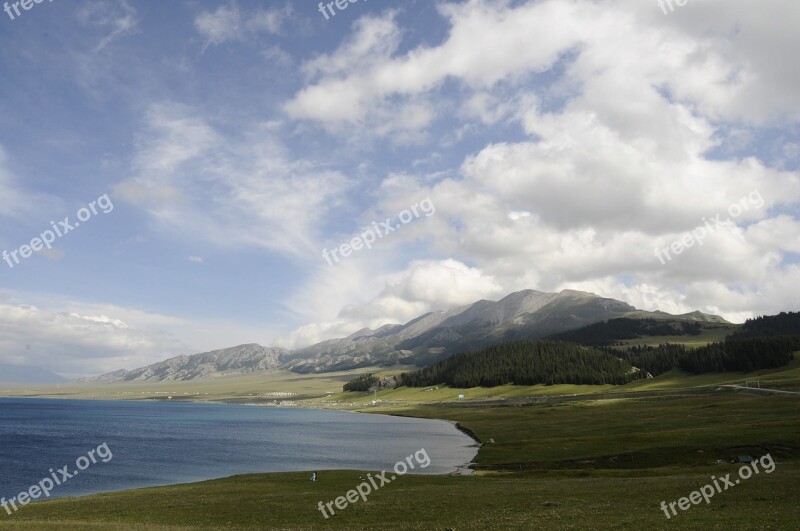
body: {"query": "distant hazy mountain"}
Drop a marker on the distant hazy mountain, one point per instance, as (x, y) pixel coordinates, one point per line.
(235, 360)
(431, 337)
(23, 374)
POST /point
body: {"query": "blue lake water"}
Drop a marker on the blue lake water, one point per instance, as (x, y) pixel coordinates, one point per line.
(161, 443)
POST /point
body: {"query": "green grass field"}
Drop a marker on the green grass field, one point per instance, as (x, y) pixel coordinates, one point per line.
(532, 500)
(706, 336)
(559, 457)
(247, 388)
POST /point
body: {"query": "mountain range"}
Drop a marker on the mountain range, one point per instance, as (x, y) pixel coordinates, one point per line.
(235, 360)
(431, 337)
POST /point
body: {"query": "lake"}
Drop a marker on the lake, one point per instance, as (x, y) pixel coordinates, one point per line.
(160, 443)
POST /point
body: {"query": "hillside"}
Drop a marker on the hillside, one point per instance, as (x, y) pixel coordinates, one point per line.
(432, 337)
(237, 360)
(425, 340)
(614, 331)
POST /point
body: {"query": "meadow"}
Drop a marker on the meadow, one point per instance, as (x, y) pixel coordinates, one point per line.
(594, 458)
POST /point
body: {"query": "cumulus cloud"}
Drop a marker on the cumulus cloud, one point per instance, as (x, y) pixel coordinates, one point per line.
(76, 344)
(567, 140)
(77, 338)
(638, 128)
(729, 68)
(424, 286)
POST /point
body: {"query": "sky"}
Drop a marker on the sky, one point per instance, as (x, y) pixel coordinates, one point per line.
(207, 157)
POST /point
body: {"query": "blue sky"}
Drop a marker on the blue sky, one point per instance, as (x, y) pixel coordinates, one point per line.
(561, 141)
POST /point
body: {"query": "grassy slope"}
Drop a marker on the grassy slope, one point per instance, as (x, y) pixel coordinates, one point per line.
(630, 433)
(704, 338)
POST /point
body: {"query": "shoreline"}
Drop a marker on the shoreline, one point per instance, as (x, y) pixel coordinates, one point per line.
(463, 470)
(468, 432)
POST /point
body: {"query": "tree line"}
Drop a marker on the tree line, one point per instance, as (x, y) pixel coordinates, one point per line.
(735, 354)
(525, 362)
(611, 331)
(783, 324)
(762, 343)
(362, 383)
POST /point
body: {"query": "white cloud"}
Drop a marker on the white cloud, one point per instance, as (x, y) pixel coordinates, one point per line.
(230, 23)
(778, 234)
(77, 338)
(623, 109)
(597, 131)
(487, 43)
(76, 344)
(116, 17)
(389, 298)
(240, 191)
(221, 25)
(268, 20)
(727, 65)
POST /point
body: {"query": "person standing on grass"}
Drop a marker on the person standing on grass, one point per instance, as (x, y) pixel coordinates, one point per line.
(313, 476)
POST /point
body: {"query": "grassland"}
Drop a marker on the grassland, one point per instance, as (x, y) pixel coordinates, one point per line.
(707, 335)
(586, 464)
(255, 388)
(517, 501)
(325, 390)
(554, 458)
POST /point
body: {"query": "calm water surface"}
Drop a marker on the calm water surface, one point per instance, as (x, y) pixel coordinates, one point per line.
(160, 443)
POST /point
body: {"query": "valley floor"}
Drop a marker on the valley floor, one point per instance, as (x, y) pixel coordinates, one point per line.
(596, 461)
(560, 457)
(532, 500)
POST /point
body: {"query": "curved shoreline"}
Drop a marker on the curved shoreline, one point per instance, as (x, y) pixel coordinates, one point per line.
(466, 431)
(465, 468)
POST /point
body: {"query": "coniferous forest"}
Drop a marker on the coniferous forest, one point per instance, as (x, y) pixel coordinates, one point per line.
(783, 324)
(762, 343)
(525, 363)
(362, 383)
(735, 354)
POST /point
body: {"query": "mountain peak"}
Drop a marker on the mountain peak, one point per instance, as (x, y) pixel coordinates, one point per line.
(525, 314)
